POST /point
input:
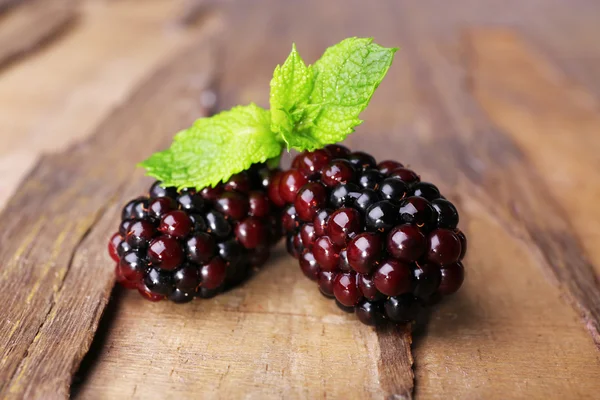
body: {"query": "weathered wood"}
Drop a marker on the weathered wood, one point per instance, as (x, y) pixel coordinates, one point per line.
(496, 117)
(28, 24)
(57, 250)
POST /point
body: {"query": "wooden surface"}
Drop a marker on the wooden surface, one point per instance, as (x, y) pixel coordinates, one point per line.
(495, 101)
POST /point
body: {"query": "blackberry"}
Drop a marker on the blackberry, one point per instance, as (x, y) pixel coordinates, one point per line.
(373, 236)
(178, 245)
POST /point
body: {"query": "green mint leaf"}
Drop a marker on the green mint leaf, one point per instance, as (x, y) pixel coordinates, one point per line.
(214, 148)
(291, 84)
(343, 82)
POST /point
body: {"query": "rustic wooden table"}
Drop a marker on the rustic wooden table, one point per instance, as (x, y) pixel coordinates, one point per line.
(497, 101)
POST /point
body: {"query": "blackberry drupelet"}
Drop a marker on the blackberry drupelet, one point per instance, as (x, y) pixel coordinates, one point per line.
(178, 245)
(372, 236)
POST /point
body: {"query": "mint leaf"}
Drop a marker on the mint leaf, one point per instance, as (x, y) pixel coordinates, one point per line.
(290, 88)
(343, 82)
(214, 148)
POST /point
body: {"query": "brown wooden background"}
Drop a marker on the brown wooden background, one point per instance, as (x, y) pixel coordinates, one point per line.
(496, 101)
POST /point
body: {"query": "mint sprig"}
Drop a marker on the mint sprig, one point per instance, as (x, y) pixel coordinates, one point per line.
(311, 106)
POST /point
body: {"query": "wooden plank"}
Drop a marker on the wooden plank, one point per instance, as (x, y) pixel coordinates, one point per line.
(457, 110)
(28, 24)
(499, 334)
(564, 123)
(109, 52)
(57, 249)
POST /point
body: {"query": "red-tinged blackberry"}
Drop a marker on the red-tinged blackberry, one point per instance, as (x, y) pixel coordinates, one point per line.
(311, 163)
(165, 252)
(345, 289)
(452, 277)
(291, 182)
(368, 289)
(113, 245)
(308, 235)
(310, 198)
(387, 166)
(175, 223)
(239, 183)
(184, 244)
(325, 281)
(309, 265)
(463, 244)
(320, 221)
(213, 273)
(337, 172)
(233, 205)
(326, 253)
(343, 225)
(381, 241)
(251, 232)
(404, 174)
(444, 247)
(406, 243)
(393, 278)
(364, 252)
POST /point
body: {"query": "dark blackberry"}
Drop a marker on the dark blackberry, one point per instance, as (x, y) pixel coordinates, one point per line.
(188, 243)
(427, 278)
(139, 234)
(157, 191)
(370, 313)
(217, 224)
(159, 282)
(367, 198)
(447, 216)
(404, 308)
(382, 242)
(381, 216)
(370, 178)
(179, 296)
(417, 211)
(233, 205)
(362, 160)
(425, 190)
(344, 195)
(231, 251)
(392, 189)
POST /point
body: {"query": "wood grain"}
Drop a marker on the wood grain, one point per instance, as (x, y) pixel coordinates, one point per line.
(57, 251)
(28, 24)
(490, 100)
